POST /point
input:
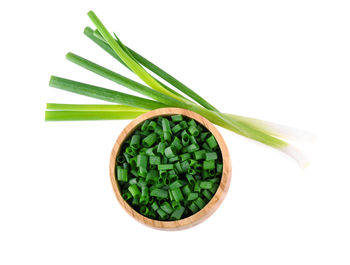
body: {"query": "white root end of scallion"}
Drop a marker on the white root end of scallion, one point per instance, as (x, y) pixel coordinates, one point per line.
(297, 155)
(287, 132)
(278, 130)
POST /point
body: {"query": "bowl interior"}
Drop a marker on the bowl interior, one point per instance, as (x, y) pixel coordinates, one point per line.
(210, 207)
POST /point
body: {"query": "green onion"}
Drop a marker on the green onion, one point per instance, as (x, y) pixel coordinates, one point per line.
(170, 152)
(133, 65)
(166, 207)
(135, 141)
(170, 158)
(209, 165)
(212, 142)
(149, 140)
(211, 156)
(154, 160)
(103, 93)
(159, 193)
(177, 214)
(206, 185)
(192, 196)
(165, 166)
(177, 194)
(158, 182)
(193, 130)
(162, 214)
(193, 207)
(134, 190)
(199, 202)
(122, 174)
(200, 154)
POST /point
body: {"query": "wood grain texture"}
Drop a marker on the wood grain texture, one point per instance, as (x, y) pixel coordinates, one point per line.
(213, 204)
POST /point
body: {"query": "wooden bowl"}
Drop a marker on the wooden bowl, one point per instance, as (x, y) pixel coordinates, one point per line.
(212, 205)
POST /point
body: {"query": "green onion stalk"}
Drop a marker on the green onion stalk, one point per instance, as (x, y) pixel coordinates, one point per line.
(159, 95)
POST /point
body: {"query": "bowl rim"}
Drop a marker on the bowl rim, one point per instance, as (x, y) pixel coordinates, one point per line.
(209, 208)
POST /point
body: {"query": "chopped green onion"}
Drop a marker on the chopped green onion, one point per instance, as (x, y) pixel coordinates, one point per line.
(170, 152)
(176, 184)
(193, 207)
(212, 142)
(209, 164)
(159, 193)
(165, 167)
(135, 141)
(206, 185)
(177, 194)
(154, 160)
(150, 140)
(192, 196)
(177, 118)
(193, 130)
(185, 156)
(163, 215)
(211, 156)
(122, 174)
(192, 148)
(200, 203)
(142, 161)
(134, 190)
(166, 207)
(207, 194)
(176, 128)
(176, 215)
(144, 195)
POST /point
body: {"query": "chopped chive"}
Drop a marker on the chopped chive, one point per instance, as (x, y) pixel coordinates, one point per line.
(154, 160)
(162, 214)
(219, 168)
(152, 126)
(165, 167)
(199, 202)
(176, 128)
(193, 207)
(176, 118)
(212, 142)
(206, 185)
(173, 159)
(192, 196)
(197, 187)
(134, 190)
(209, 165)
(211, 156)
(192, 148)
(176, 184)
(192, 123)
(176, 143)
(185, 156)
(150, 140)
(207, 194)
(199, 155)
(161, 148)
(176, 215)
(170, 152)
(122, 174)
(166, 207)
(190, 179)
(127, 195)
(165, 180)
(177, 194)
(159, 193)
(193, 130)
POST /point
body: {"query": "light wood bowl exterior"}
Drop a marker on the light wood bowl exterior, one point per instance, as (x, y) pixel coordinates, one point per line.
(212, 205)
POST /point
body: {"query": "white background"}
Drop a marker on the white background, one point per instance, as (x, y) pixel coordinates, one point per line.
(284, 61)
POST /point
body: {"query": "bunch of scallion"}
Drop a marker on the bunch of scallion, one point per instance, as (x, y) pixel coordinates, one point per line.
(161, 95)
